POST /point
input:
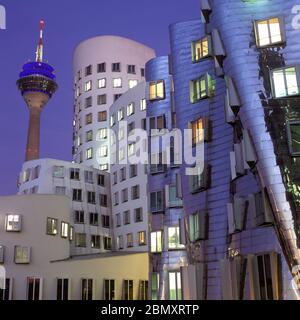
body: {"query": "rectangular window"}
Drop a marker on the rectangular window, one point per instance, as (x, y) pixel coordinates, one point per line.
(109, 289)
(36, 172)
(142, 238)
(62, 289)
(128, 290)
(6, 292)
(175, 286)
(197, 131)
(197, 226)
(101, 180)
(135, 192)
(126, 217)
(2, 248)
(173, 239)
(120, 242)
(157, 165)
(200, 49)
(89, 136)
(116, 67)
(116, 198)
(133, 170)
(117, 82)
(102, 83)
(89, 153)
(157, 201)
(103, 200)
(156, 241)
(101, 68)
(103, 167)
(173, 200)
(103, 151)
(58, 172)
(71, 233)
(102, 134)
(129, 240)
(78, 217)
(105, 221)
(89, 118)
(88, 70)
(88, 102)
(107, 243)
(86, 289)
(88, 176)
(101, 99)
(34, 288)
(91, 197)
(131, 69)
(158, 123)
(157, 90)
(80, 240)
(143, 105)
(130, 109)
(13, 223)
(201, 88)
(131, 149)
(112, 120)
(52, 226)
(88, 86)
(95, 241)
(118, 220)
(143, 290)
(294, 137)
(75, 174)
(123, 175)
(102, 116)
(284, 82)
(64, 230)
(269, 32)
(138, 214)
(22, 255)
(132, 83)
(154, 285)
(120, 114)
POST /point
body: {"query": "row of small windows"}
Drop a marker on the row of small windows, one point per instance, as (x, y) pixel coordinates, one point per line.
(133, 170)
(138, 217)
(141, 240)
(115, 67)
(80, 218)
(97, 241)
(135, 194)
(35, 287)
(77, 195)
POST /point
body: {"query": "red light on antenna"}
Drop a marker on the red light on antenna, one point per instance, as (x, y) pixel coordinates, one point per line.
(42, 23)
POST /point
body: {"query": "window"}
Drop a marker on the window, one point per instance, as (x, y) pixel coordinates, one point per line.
(34, 288)
(200, 49)
(103, 151)
(135, 192)
(132, 83)
(268, 32)
(101, 180)
(109, 289)
(89, 136)
(22, 255)
(88, 102)
(156, 201)
(88, 70)
(101, 68)
(133, 170)
(74, 174)
(79, 75)
(201, 88)
(13, 223)
(86, 289)
(199, 181)
(89, 153)
(102, 83)
(157, 123)
(94, 219)
(77, 195)
(138, 214)
(105, 221)
(130, 109)
(89, 176)
(78, 217)
(52, 226)
(120, 242)
(107, 243)
(128, 290)
(154, 285)
(101, 99)
(116, 198)
(131, 69)
(142, 238)
(173, 239)
(157, 165)
(156, 90)
(131, 149)
(129, 240)
(80, 240)
(118, 220)
(143, 290)
(156, 241)
(197, 131)
(89, 118)
(1, 255)
(64, 231)
(121, 154)
(284, 82)
(121, 134)
(143, 104)
(102, 116)
(173, 200)
(103, 200)
(95, 241)
(120, 114)
(36, 172)
(58, 172)
(62, 289)
(26, 175)
(71, 233)
(116, 67)
(175, 286)
(126, 217)
(88, 86)
(123, 175)
(117, 96)
(102, 134)
(197, 226)
(91, 197)
(103, 167)
(131, 127)
(142, 72)
(117, 83)
(112, 120)
(294, 137)
(6, 292)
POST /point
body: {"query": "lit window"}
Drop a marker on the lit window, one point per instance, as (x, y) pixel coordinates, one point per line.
(173, 238)
(101, 83)
(120, 114)
(52, 226)
(64, 230)
(156, 241)
(156, 90)
(142, 238)
(200, 49)
(13, 223)
(89, 153)
(201, 88)
(71, 234)
(143, 104)
(129, 240)
(132, 83)
(294, 137)
(26, 175)
(112, 120)
(197, 131)
(22, 255)
(175, 286)
(128, 290)
(268, 32)
(58, 172)
(130, 109)
(1, 257)
(103, 151)
(121, 134)
(102, 134)
(117, 83)
(121, 154)
(89, 118)
(103, 167)
(131, 149)
(88, 86)
(284, 82)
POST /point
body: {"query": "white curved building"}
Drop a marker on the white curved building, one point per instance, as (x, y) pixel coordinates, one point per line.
(104, 68)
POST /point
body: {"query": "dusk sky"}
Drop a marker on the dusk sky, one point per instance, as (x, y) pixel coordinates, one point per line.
(67, 24)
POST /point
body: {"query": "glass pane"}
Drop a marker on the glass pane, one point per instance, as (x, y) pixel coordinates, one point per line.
(295, 133)
(160, 89)
(205, 47)
(179, 286)
(152, 91)
(291, 81)
(279, 83)
(172, 285)
(263, 33)
(153, 242)
(274, 25)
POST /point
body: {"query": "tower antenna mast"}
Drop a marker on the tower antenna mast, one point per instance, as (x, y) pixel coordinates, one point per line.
(39, 52)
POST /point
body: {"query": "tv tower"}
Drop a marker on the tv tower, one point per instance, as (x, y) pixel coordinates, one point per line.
(37, 85)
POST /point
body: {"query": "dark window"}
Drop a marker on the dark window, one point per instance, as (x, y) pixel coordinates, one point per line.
(88, 102)
(88, 70)
(143, 72)
(101, 180)
(138, 214)
(116, 67)
(91, 197)
(74, 174)
(117, 96)
(265, 277)
(87, 289)
(102, 99)
(77, 195)
(94, 219)
(5, 293)
(95, 241)
(128, 289)
(109, 289)
(62, 289)
(133, 170)
(105, 221)
(33, 288)
(103, 200)
(101, 67)
(107, 243)
(131, 69)
(78, 216)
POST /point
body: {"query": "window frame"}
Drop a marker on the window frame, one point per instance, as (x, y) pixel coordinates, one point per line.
(55, 221)
(289, 132)
(201, 56)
